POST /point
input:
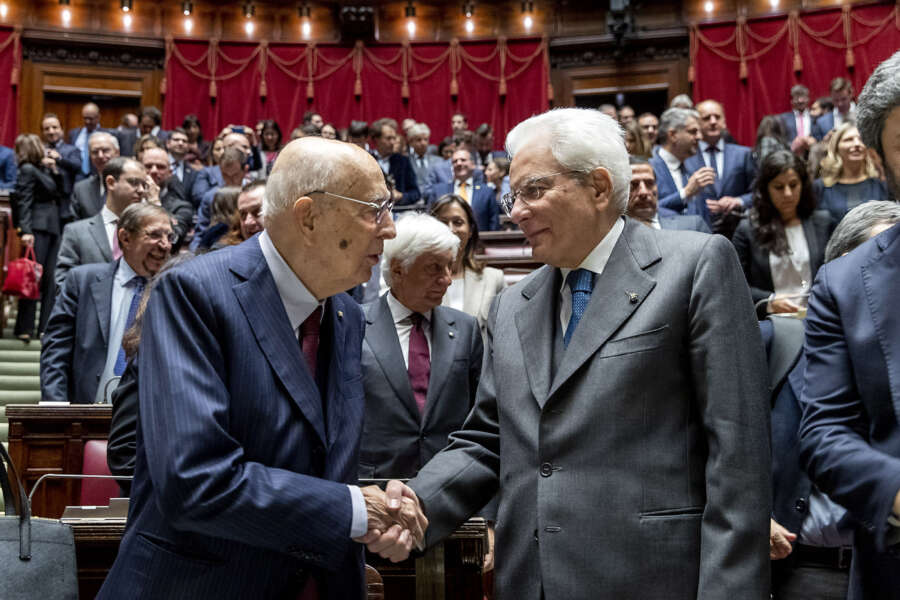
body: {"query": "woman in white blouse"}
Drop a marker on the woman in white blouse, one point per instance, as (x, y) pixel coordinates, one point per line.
(473, 285)
(781, 244)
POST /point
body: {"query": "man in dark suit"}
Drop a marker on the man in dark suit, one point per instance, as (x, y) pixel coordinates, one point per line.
(384, 139)
(89, 195)
(177, 145)
(643, 202)
(422, 161)
(80, 350)
(127, 133)
(67, 156)
(211, 177)
(480, 196)
(614, 482)
(733, 165)
(797, 121)
(421, 361)
(93, 239)
(150, 123)
(167, 191)
(844, 108)
(232, 168)
(219, 509)
(678, 184)
(8, 168)
(849, 434)
(78, 137)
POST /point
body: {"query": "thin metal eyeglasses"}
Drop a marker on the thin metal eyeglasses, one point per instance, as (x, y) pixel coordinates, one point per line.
(157, 235)
(528, 192)
(380, 209)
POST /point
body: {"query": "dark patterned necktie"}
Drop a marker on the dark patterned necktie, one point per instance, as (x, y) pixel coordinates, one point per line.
(419, 361)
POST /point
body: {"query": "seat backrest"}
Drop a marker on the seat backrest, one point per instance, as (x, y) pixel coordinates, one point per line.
(96, 492)
(374, 584)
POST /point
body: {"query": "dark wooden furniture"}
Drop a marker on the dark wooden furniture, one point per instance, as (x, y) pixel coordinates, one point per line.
(508, 251)
(50, 439)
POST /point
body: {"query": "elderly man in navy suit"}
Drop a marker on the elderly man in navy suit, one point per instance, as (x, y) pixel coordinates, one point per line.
(251, 402)
(849, 434)
(732, 164)
(643, 201)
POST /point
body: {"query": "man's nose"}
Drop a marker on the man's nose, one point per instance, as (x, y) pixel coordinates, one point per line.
(386, 229)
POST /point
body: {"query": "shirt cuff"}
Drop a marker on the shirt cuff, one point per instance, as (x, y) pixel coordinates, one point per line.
(681, 193)
(360, 524)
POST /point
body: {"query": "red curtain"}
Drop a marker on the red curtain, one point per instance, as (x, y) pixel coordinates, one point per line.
(750, 66)
(10, 67)
(499, 82)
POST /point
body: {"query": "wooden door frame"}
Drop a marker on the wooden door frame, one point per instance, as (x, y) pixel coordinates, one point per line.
(670, 75)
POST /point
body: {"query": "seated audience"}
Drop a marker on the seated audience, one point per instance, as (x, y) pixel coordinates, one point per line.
(358, 134)
(473, 286)
(643, 202)
(478, 194)
(849, 433)
(820, 106)
(634, 140)
(82, 348)
(446, 147)
(483, 141)
(844, 110)
(781, 244)
(94, 240)
(7, 168)
(215, 153)
(89, 195)
(609, 110)
(418, 136)
(678, 185)
(849, 176)
(626, 115)
(384, 137)
(164, 189)
(233, 171)
(313, 118)
(37, 206)
(682, 101)
(458, 123)
(421, 361)
(177, 145)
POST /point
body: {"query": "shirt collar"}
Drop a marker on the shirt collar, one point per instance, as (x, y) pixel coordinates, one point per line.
(124, 273)
(654, 222)
(596, 261)
(673, 163)
(298, 301)
(720, 145)
(399, 311)
(108, 215)
(468, 183)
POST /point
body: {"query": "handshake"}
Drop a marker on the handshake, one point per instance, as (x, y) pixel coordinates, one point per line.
(396, 521)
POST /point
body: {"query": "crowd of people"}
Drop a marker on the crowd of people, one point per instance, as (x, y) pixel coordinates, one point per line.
(440, 353)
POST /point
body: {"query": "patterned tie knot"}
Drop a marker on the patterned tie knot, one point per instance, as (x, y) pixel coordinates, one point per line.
(138, 282)
(312, 324)
(581, 280)
(712, 149)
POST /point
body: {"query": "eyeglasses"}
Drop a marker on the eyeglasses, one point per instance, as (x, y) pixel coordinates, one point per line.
(380, 209)
(158, 235)
(530, 192)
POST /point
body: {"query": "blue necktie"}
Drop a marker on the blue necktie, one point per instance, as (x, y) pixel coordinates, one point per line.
(138, 282)
(86, 155)
(712, 159)
(581, 283)
(684, 175)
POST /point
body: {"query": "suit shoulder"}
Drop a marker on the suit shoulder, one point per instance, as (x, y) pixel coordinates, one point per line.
(79, 226)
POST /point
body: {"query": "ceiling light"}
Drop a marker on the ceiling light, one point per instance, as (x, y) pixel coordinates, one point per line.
(248, 27)
(468, 9)
(126, 5)
(306, 29)
(249, 10)
(4, 10)
(708, 6)
(470, 26)
(126, 20)
(411, 27)
(188, 24)
(66, 16)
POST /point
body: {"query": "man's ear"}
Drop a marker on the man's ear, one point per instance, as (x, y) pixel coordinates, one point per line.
(305, 215)
(124, 238)
(396, 270)
(110, 181)
(601, 181)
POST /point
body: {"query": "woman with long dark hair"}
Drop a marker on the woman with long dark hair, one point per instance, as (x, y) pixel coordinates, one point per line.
(196, 144)
(473, 285)
(37, 205)
(781, 244)
(270, 138)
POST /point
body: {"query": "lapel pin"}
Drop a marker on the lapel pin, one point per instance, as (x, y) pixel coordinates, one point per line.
(632, 297)
(340, 314)
(450, 334)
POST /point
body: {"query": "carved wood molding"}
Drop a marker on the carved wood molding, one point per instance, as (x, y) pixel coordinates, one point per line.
(112, 51)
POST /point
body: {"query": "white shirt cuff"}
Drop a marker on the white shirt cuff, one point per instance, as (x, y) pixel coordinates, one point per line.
(360, 524)
(681, 193)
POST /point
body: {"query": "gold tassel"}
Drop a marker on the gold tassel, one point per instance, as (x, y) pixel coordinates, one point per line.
(850, 59)
(212, 88)
(454, 87)
(404, 91)
(357, 87)
(503, 86)
(262, 88)
(691, 73)
(14, 76)
(310, 90)
(550, 92)
(743, 70)
(162, 86)
(798, 63)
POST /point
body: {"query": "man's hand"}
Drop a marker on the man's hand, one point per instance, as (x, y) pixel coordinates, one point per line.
(724, 205)
(152, 193)
(396, 521)
(489, 555)
(699, 179)
(783, 305)
(779, 540)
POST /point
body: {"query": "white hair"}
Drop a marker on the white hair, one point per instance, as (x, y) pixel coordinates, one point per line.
(419, 129)
(103, 134)
(580, 139)
(417, 233)
(285, 185)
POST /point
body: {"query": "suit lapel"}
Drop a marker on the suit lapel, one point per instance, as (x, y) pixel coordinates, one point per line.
(273, 332)
(334, 396)
(534, 322)
(813, 243)
(611, 304)
(98, 232)
(443, 349)
(386, 347)
(101, 290)
(880, 282)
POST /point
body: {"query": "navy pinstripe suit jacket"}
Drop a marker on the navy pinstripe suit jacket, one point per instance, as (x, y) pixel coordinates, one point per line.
(239, 486)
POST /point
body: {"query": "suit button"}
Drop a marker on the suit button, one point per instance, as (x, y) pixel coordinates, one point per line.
(800, 505)
(546, 470)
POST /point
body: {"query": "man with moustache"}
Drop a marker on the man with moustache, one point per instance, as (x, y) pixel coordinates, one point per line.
(643, 202)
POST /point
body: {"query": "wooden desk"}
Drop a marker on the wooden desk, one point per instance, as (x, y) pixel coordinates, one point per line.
(50, 439)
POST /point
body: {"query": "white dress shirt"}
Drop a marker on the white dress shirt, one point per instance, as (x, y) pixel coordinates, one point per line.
(299, 303)
(122, 294)
(720, 155)
(385, 164)
(110, 223)
(654, 222)
(674, 166)
(594, 262)
(803, 122)
(791, 272)
(403, 325)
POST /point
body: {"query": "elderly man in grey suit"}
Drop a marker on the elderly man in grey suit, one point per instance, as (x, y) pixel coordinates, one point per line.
(89, 195)
(421, 361)
(421, 159)
(643, 202)
(93, 240)
(625, 430)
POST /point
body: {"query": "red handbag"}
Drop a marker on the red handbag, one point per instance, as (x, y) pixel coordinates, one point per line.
(23, 277)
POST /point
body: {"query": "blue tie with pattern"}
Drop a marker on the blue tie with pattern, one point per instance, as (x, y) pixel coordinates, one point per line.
(581, 283)
(137, 282)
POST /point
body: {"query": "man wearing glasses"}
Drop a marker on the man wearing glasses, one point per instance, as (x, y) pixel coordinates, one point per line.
(622, 411)
(93, 239)
(97, 303)
(251, 402)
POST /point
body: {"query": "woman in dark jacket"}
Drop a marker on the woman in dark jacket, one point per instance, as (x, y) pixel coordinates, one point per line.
(781, 244)
(37, 205)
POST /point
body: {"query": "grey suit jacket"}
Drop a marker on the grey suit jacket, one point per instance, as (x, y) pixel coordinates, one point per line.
(396, 440)
(86, 197)
(422, 172)
(480, 290)
(684, 223)
(639, 468)
(83, 242)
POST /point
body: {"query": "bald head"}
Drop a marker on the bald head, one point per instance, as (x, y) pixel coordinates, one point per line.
(712, 121)
(90, 113)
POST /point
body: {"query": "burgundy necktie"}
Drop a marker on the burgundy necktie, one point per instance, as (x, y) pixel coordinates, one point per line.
(419, 362)
(309, 338)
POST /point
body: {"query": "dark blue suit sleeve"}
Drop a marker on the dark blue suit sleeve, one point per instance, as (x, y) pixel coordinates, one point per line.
(204, 480)
(58, 343)
(833, 445)
(408, 185)
(8, 171)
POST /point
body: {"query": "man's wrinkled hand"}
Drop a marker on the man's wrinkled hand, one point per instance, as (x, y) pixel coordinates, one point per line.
(396, 522)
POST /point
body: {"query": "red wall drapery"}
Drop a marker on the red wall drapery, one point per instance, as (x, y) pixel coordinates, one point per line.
(500, 82)
(10, 67)
(750, 66)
